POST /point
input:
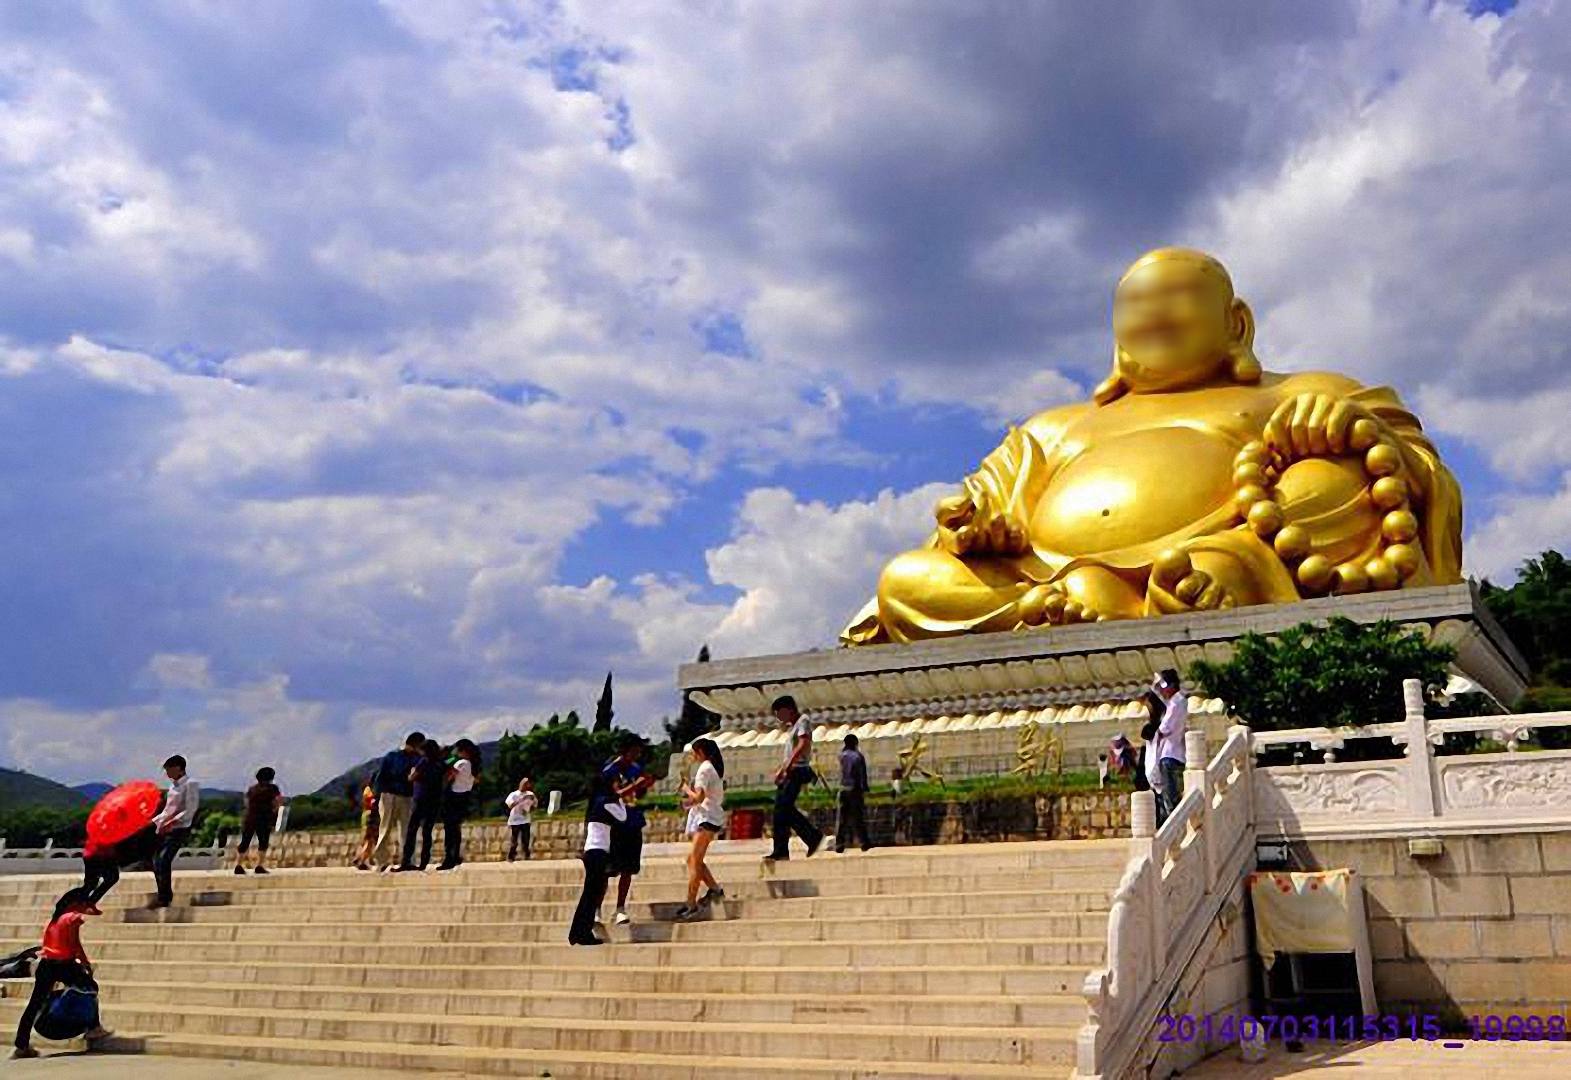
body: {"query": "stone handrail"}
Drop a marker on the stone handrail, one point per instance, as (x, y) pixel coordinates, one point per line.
(1176, 881)
(1421, 788)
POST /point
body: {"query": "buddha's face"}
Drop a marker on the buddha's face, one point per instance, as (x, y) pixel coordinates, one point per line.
(1172, 324)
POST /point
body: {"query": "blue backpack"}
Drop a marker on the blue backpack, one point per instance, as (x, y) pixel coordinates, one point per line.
(71, 1011)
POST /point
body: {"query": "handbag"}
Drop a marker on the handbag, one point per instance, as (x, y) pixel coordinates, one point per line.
(71, 1011)
(19, 965)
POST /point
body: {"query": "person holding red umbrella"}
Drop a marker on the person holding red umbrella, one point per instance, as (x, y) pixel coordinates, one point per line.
(119, 833)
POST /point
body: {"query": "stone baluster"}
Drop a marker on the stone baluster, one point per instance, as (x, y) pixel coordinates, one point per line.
(1198, 778)
(1419, 755)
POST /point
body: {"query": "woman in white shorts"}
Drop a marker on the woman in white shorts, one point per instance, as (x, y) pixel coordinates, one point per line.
(705, 798)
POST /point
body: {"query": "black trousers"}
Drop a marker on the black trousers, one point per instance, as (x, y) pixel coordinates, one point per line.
(520, 840)
(422, 821)
(99, 876)
(597, 872)
(45, 974)
(260, 831)
(455, 807)
(851, 822)
(788, 818)
(169, 846)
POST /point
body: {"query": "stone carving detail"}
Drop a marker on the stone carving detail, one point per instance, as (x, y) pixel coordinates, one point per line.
(1288, 792)
(1514, 783)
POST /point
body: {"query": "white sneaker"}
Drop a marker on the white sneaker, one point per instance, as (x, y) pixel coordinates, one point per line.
(622, 918)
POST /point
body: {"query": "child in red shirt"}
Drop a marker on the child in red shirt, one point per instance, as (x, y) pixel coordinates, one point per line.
(61, 960)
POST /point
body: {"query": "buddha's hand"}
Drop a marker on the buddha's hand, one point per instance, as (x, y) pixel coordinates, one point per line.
(973, 523)
(1176, 586)
(1315, 425)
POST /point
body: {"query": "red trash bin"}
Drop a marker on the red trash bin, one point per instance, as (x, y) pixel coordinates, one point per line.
(747, 823)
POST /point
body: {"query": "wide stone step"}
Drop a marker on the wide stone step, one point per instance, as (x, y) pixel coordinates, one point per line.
(372, 1058)
(714, 925)
(645, 904)
(631, 972)
(835, 1041)
(862, 954)
(1019, 1011)
(884, 862)
(462, 887)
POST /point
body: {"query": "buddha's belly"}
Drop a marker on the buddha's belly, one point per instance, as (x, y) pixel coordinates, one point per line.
(1133, 489)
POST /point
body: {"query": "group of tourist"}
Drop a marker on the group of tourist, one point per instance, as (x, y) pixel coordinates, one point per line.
(412, 788)
(1159, 765)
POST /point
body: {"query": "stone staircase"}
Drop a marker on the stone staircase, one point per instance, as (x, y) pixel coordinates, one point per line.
(963, 961)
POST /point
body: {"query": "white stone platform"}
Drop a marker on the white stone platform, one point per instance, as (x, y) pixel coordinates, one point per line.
(970, 698)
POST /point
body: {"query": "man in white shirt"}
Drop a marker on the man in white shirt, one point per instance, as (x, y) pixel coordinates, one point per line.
(1169, 745)
(173, 825)
(796, 772)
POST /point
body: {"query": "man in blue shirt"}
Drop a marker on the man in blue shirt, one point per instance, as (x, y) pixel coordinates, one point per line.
(394, 793)
(625, 779)
(851, 822)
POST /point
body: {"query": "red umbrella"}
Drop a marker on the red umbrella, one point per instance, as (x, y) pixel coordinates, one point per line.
(123, 812)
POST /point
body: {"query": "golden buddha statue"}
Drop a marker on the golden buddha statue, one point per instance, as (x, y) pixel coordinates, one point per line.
(1192, 481)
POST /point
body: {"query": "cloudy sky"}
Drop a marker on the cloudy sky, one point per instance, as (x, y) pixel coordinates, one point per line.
(368, 366)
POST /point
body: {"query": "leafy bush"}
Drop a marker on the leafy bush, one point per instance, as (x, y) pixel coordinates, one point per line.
(1338, 675)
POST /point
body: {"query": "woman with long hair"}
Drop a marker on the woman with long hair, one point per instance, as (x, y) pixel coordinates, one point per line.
(705, 798)
(462, 772)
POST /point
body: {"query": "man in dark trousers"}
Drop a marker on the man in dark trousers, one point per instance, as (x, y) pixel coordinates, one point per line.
(173, 825)
(796, 772)
(851, 822)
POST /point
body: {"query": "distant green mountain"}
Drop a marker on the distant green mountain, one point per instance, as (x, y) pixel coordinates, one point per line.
(24, 789)
(94, 791)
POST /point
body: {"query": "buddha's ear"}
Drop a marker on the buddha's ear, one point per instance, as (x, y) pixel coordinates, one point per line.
(1111, 388)
(1243, 364)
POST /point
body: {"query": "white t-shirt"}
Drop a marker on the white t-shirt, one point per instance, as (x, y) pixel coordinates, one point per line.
(463, 776)
(802, 727)
(520, 804)
(597, 834)
(711, 808)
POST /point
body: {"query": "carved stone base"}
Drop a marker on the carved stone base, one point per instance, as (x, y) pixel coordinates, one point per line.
(969, 697)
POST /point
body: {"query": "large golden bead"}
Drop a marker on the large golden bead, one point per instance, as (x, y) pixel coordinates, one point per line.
(1383, 459)
(1257, 456)
(1293, 542)
(1364, 434)
(1172, 564)
(1382, 575)
(1399, 526)
(1314, 573)
(1265, 518)
(1404, 557)
(1247, 496)
(1347, 579)
(1389, 492)
(1249, 473)
(1254, 450)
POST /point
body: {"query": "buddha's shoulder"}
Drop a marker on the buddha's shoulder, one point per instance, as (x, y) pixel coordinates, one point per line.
(1047, 425)
(1310, 382)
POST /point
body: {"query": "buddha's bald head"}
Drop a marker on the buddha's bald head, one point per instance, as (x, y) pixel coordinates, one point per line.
(1177, 323)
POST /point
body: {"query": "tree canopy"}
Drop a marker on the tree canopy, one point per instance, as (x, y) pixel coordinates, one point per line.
(1338, 674)
(1536, 613)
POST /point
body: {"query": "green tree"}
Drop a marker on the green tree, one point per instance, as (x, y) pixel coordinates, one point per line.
(1337, 675)
(603, 712)
(1536, 613)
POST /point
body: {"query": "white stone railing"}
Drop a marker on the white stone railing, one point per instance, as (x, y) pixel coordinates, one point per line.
(1177, 880)
(1422, 789)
